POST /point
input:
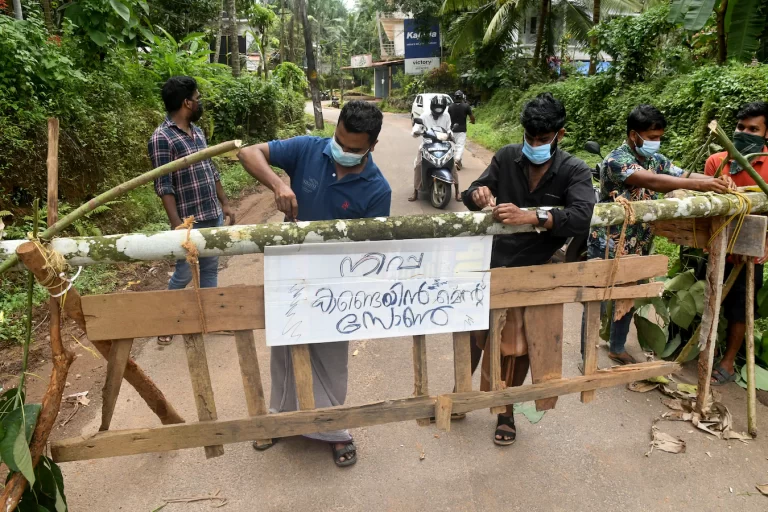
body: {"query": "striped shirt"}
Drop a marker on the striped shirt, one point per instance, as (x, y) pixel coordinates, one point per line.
(194, 187)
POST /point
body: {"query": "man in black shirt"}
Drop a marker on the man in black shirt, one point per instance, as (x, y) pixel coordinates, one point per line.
(535, 174)
(459, 112)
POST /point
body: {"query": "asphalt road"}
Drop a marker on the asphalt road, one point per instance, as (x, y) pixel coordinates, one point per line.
(578, 457)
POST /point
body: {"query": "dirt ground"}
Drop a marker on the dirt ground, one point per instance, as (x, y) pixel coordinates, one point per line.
(577, 458)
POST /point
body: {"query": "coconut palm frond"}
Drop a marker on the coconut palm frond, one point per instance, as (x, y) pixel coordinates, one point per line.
(454, 6)
(506, 19)
(469, 28)
(577, 19)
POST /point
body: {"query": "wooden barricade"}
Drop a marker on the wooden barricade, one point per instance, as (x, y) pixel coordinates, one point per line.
(543, 290)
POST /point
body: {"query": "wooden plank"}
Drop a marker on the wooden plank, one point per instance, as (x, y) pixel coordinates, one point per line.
(750, 335)
(201, 386)
(498, 320)
(566, 294)
(145, 314)
(591, 340)
(251, 374)
(119, 353)
(544, 332)
(462, 361)
(420, 378)
(750, 242)
(443, 409)
(176, 437)
(710, 319)
(302, 372)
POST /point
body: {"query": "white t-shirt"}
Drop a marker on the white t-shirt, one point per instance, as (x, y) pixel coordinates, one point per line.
(429, 122)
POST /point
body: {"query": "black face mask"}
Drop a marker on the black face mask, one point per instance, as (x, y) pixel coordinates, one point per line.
(746, 144)
(198, 113)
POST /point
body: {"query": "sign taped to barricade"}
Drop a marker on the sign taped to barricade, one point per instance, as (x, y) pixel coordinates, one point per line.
(349, 291)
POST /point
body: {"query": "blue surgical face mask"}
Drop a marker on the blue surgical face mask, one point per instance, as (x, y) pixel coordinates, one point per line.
(343, 158)
(539, 154)
(648, 148)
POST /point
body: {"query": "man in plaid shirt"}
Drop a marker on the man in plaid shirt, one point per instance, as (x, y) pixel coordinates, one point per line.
(195, 190)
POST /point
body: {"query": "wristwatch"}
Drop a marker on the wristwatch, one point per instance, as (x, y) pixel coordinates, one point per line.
(542, 216)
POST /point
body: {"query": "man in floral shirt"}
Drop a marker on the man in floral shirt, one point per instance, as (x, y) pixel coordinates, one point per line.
(638, 172)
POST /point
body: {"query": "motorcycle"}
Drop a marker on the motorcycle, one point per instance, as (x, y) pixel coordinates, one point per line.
(575, 248)
(436, 165)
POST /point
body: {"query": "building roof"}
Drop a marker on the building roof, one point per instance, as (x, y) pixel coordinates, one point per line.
(380, 64)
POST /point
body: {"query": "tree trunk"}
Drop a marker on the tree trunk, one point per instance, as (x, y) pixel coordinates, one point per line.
(234, 46)
(217, 38)
(311, 67)
(264, 54)
(722, 43)
(282, 31)
(538, 50)
(593, 39)
(17, 13)
(46, 4)
(291, 45)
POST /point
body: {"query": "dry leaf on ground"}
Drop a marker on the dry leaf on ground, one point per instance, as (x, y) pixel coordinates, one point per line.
(763, 489)
(641, 386)
(673, 403)
(665, 442)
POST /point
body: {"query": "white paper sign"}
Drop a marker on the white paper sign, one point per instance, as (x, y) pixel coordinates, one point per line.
(319, 293)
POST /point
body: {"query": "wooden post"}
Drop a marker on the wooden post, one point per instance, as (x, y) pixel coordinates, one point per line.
(498, 320)
(119, 353)
(462, 361)
(33, 259)
(750, 318)
(544, 333)
(710, 319)
(420, 379)
(302, 372)
(249, 370)
(591, 339)
(443, 408)
(201, 385)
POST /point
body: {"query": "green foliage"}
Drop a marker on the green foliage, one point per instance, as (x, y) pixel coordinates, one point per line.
(108, 23)
(291, 77)
(190, 56)
(633, 42)
(183, 17)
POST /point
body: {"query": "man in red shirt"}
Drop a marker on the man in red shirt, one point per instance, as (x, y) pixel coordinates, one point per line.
(750, 137)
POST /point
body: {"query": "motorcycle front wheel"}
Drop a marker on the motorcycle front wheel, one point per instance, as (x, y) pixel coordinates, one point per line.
(441, 194)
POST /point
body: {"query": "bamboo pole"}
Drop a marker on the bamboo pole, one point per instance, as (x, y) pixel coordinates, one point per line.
(129, 185)
(750, 320)
(62, 356)
(235, 240)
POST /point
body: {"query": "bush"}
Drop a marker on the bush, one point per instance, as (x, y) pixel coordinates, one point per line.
(290, 76)
(598, 106)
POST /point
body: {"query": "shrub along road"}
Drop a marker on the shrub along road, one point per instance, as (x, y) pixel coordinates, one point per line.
(578, 457)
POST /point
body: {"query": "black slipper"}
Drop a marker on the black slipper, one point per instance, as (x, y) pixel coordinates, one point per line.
(349, 452)
(508, 421)
(262, 447)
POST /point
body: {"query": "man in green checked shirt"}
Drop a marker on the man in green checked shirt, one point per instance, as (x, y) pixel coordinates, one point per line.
(637, 171)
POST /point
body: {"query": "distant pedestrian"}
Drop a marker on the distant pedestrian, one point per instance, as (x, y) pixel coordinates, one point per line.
(192, 191)
(459, 111)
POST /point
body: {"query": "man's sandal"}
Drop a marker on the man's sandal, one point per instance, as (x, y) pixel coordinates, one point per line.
(721, 376)
(622, 359)
(349, 452)
(261, 446)
(414, 197)
(508, 421)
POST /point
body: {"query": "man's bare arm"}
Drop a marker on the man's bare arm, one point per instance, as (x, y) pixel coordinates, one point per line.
(255, 160)
(665, 183)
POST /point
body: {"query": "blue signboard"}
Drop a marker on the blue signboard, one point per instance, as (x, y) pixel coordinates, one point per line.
(417, 47)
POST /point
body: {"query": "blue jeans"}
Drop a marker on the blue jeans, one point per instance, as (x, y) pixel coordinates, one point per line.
(209, 267)
(619, 328)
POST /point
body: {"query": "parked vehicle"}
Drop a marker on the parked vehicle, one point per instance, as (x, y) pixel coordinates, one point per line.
(436, 165)
(575, 249)
(421, 104)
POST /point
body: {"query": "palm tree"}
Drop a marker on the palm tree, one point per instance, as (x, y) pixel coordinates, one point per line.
(311, 66)
(496, 21)
(234, 44)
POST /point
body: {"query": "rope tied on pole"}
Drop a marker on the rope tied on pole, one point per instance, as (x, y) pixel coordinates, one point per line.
(194, 263)
(629, 218)
(56, 267)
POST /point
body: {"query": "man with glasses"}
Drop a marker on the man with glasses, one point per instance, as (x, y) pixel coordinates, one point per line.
(330, 178)
(192, 191)
(637, 171)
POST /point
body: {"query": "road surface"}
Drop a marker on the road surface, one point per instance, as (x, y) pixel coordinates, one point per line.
(577, 458)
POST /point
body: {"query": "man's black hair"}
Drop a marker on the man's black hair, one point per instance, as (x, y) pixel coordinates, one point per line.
(753, 109)
(644, 118)
(543, 114)
(176, 90)
(362, 117)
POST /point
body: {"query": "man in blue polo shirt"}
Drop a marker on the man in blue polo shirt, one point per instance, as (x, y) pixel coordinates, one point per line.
(331, 178)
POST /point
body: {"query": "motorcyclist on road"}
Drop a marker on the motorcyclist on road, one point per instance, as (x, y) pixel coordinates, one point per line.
(459, 110)
(436, 117)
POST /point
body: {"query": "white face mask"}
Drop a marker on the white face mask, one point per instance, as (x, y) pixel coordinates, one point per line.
(647, 148)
